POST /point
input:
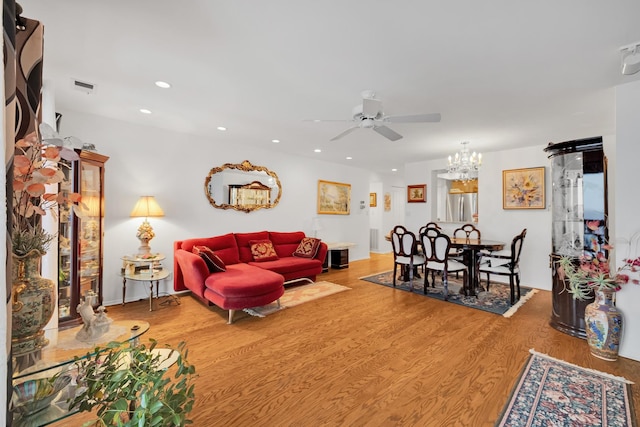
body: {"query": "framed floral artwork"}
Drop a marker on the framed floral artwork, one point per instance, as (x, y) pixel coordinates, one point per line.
(334, 198)
(523, 188)
(387, 202)
(417, 193)
(373, 200)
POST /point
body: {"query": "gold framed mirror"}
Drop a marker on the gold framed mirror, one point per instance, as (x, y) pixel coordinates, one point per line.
(243, 187)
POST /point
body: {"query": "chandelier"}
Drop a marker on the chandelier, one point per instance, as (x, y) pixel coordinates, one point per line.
(465, 164)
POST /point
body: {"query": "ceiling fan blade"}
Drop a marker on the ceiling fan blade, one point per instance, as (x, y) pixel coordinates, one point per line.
(387, 133)
(371, 107)
(346, 132)
(418, 118)
(323, 121)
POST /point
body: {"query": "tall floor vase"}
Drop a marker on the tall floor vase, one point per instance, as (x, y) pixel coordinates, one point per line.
(603, 324)
(32, 304)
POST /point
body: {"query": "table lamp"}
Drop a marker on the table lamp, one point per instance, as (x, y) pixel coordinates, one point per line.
(316, 226)
(146, 207)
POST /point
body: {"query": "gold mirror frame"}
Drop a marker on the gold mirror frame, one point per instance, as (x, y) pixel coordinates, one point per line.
(245, 166)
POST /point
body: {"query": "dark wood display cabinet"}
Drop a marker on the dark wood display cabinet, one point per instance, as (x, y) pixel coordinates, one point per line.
(80, 240)
(579, 220)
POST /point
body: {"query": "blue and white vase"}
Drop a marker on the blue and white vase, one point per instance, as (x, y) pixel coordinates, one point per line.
(603, 324)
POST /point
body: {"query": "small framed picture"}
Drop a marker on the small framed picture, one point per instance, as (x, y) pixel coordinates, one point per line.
(417, 193)
(373, 200)
(523, 188)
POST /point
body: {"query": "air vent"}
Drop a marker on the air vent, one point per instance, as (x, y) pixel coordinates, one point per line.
(83, 86)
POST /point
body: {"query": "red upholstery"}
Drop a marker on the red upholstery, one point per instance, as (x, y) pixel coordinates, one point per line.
(224, 246)
(292, 267)
(286, 243)
(244, 247)
(234, 283)
(245, 283)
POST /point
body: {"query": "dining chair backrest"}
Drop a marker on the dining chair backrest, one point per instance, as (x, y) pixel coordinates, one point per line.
(435, 245)
(468, 231)
(516, 248)
(428, 225)
(402, 241)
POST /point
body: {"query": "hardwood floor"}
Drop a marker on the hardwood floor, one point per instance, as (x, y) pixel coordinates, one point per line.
(370, 356)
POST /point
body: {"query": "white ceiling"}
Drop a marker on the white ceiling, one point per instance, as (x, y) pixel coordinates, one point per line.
(502, 73)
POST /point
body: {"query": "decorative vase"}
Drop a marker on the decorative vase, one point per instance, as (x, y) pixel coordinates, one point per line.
(32, 304)
(603, 324)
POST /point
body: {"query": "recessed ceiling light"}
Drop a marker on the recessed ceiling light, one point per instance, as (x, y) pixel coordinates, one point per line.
(317, 150)
(275, 141)
(394, 170)
(145, 111)
(221, 128)
(349, 158)
(163, 85)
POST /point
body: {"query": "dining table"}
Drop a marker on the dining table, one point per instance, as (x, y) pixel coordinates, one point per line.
(470, 252)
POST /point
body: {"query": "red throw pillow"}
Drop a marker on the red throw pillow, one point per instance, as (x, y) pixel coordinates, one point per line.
(308, 247)
(213, 261)
(262, 250)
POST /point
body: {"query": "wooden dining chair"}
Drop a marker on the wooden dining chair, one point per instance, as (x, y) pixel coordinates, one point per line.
(428, 225)
(436, 246)
(404, 245)
(422, 229)
(467, 231)
(506, 263)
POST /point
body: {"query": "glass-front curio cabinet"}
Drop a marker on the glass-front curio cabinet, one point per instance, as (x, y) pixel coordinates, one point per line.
(579, 226)
(80, 239)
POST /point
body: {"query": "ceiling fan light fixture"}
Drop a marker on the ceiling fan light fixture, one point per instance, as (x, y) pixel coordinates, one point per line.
(630, 59)
(367, 123)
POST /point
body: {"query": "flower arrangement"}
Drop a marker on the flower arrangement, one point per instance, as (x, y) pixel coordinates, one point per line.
(36, 165)
(594, 272)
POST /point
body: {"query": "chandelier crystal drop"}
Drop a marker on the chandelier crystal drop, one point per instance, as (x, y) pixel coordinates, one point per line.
(464, 163)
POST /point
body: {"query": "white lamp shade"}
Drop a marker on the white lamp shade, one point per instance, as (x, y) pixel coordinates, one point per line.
(146, 207)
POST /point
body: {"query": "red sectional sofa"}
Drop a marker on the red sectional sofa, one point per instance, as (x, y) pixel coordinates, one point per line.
(245, 283)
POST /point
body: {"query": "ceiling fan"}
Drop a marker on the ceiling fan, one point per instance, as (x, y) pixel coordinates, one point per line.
(369, 115)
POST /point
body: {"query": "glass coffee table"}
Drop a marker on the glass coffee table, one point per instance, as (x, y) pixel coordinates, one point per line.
(59, 356)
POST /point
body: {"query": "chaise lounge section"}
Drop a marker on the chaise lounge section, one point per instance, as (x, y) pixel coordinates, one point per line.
(243, 270)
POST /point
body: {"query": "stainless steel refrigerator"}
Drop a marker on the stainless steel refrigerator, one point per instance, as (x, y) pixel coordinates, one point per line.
(461, 207)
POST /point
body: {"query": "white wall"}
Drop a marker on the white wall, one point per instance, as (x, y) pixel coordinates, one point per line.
(494, 222)
(623, 168)
(173, 167)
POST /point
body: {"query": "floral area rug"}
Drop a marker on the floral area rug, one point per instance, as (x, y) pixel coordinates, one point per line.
(496, 301)
(553, 392)
(297, 295)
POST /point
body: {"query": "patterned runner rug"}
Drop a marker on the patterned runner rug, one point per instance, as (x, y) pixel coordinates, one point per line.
(496, 301)
(552, 392)
(297, 295)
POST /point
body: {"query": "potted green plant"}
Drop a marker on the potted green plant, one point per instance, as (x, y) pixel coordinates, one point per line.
(592, 277)
(128, 385)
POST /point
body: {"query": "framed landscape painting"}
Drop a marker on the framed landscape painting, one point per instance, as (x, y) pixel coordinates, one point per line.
(523, 188)
(417, 193)
(334, 198)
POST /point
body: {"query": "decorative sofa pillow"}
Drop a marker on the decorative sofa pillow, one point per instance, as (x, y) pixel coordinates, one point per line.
(213, 261)
(308, 247)
(263, 250)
